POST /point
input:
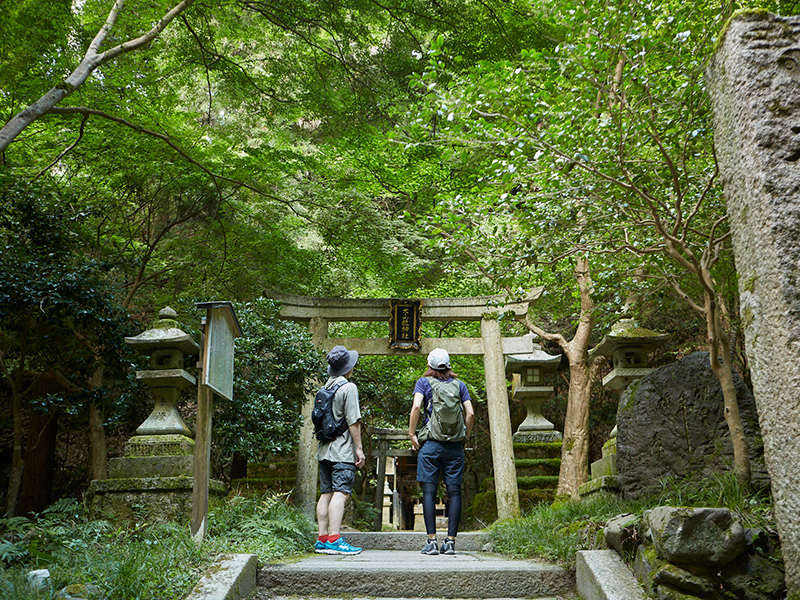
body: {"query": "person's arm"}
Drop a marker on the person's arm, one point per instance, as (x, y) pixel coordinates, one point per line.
(355, 433)
(413, 419)
(469, 416)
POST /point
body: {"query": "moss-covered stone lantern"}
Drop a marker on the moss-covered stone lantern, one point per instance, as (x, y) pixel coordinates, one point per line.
(528, 387)
(627, 345)
(165, 345)
(155, 474)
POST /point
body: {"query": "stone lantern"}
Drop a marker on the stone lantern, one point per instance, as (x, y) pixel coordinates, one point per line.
(165, 345)
(155, 473)
(528, 387)
(627, 346)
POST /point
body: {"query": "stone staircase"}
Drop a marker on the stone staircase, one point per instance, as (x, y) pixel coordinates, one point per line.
(391, 566)
(537, 465)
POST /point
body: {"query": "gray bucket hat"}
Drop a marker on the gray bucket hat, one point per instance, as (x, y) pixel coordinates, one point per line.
(341, 361)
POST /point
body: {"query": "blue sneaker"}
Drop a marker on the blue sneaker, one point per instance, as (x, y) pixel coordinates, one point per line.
(319, 547)
(340, 546)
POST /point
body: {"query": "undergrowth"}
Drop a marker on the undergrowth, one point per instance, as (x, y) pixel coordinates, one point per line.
(140, 561)
(555, 532)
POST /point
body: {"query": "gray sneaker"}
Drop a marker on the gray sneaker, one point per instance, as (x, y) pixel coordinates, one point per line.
(431, 548)
(448, 546)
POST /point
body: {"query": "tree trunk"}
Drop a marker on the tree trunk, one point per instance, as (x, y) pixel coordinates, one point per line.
(36, 489)
(16, 458)
(575, 449)
(582, 369)
(741, 452)
(723, 369)
(97, 436)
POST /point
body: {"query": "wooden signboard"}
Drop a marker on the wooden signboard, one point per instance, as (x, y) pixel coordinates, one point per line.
(220, 328)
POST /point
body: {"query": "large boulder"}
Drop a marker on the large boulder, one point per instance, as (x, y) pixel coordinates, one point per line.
(671, 424)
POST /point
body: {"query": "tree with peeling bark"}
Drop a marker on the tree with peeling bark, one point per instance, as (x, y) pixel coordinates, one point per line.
(606, 137)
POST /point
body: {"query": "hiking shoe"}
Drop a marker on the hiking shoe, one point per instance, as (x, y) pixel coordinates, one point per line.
(319, 547)
(340, 546)
(431, 548)
(448, 546)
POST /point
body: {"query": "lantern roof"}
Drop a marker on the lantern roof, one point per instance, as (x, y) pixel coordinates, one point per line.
(165, 334)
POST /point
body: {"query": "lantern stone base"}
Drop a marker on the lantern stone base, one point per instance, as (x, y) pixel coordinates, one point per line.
(151, 499)
(152, 482)
(604, 473)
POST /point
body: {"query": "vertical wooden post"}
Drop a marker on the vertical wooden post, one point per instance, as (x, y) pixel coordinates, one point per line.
(383, 449)
(202, 450)
(505, 473)
(307, 467)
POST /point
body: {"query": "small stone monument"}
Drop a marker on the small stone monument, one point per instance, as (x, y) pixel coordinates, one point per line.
(627, 345)
(154, 476)
(528, 387)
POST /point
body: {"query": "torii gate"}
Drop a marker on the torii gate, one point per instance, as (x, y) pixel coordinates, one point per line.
(318, 312)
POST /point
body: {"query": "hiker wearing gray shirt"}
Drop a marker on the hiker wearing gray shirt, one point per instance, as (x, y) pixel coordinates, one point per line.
(339, 458)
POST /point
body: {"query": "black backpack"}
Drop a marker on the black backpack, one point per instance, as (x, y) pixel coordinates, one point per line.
(326, 428)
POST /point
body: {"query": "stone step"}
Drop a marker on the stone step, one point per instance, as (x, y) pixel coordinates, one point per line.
(409, 574)
(537, 450)
(472, 541)
(543, 482)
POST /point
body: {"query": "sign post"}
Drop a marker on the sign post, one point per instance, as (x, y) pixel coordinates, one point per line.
(220, 328)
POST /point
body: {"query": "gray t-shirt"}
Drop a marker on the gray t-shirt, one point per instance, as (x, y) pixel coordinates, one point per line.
(345, 404)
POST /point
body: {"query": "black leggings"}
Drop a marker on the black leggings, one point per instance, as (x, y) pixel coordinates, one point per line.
(453, 507)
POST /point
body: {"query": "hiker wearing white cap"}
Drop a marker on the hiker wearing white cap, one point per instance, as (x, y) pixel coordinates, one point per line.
(444, 404)
(340, 457)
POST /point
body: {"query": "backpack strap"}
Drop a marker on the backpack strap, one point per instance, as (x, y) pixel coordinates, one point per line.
(336, 386)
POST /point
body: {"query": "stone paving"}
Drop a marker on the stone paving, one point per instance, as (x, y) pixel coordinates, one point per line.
(396, 573)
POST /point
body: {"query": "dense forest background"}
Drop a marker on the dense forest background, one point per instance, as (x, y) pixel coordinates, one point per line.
(157, 154)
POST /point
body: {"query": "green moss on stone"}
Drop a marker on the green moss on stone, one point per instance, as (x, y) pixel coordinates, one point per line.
(166, 324)
(543, 481)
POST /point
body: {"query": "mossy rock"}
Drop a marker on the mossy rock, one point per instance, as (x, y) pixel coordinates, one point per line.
(530, 498)
(484, 508)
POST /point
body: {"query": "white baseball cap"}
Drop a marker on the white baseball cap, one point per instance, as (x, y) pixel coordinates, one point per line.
(439, 359)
